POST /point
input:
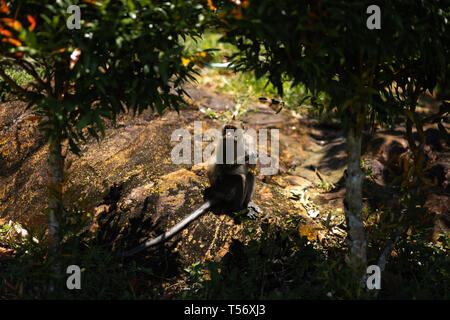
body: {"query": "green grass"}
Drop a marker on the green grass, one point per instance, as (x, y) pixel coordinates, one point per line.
(19, 76)
(210, 41)
(243, 86)
(16, 74)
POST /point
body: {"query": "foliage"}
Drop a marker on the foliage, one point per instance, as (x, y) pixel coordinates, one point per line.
(18, 76)
(8, 235)
(327, 47)
(103, 276)
(129, 54)
(126, 56)
(210, 41)
(277, 266)
(267, 268)
(244, 87)
(282, 266)
(421, 267)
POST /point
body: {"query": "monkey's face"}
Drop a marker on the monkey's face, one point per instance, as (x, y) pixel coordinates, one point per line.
(230, 128)
(228, 132)
(233, 145)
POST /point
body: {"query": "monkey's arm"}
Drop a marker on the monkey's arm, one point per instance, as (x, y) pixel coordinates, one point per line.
(175, 229)
(235, 191)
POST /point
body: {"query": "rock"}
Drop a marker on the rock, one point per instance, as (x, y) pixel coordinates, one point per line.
(298, 181)
(199, 168)
(137, 196)
(279, 181)
(306, 173)
(174, 179)
(312, 230)
(265, 193)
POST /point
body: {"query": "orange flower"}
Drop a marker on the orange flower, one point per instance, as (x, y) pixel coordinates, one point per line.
(32, 22)
(4, 8)
(94, 2)
(5, 32)
(12, 23)
(237, 13)
(243, 3)
(58, 51)
(13, 41)
(211, 5)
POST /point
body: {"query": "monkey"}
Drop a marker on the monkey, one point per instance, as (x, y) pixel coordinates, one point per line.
(232, 185)
(232, 182)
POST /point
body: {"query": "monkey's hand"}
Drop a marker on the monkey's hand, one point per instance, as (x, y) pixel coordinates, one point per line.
(252, 211)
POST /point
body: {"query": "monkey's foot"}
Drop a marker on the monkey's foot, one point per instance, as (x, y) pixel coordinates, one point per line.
(253, 210)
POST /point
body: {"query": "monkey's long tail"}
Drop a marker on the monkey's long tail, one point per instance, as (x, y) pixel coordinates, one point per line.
(177, 228)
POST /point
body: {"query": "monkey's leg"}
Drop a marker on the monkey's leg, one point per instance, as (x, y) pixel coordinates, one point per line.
(236, 192)
(252, 208)
(228, 190)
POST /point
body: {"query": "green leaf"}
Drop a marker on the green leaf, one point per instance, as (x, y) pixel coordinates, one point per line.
(84, 121)
(73, 147)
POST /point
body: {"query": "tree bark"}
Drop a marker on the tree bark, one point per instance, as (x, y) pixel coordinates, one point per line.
(356, 236)
(55, 168)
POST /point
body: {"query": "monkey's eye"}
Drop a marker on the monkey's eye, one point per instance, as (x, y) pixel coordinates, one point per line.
(229, 133)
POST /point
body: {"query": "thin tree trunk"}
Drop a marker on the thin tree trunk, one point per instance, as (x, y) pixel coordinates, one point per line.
(353, 199)
(55, 168)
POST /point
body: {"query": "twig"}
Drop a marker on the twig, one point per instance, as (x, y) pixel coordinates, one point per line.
(382, 260)
(322, 179)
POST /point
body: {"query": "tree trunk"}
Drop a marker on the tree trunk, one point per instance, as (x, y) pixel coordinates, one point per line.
(55, 168)
(353, 198)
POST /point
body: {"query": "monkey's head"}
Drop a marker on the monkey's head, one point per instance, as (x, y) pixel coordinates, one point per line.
(234, 136)
(230, 127)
